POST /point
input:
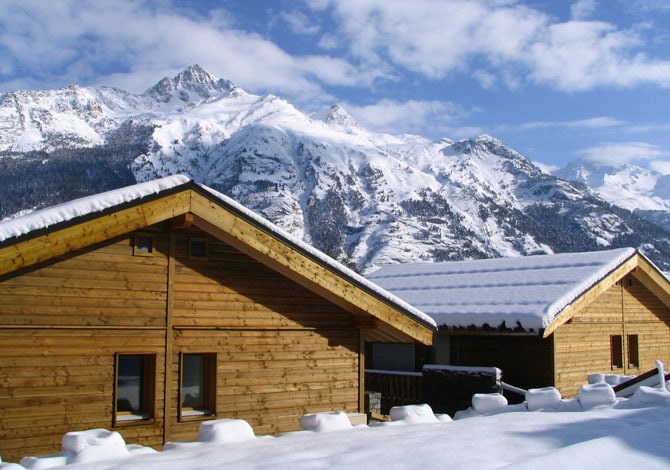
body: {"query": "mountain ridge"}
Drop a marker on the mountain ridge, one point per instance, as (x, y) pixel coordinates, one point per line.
(365, 198)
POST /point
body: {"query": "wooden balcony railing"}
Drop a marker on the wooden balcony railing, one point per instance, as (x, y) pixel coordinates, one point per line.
(396, 387)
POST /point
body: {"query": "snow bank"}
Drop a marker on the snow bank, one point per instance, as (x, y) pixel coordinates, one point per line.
(612, 379)
(324, 422)
(86, 447)
(488, 402)
(647, 396)
(543, 398)
(413, 414)
(222, 431)
(597, 394)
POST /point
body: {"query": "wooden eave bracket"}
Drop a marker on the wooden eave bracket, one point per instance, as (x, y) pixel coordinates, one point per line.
(182, 221)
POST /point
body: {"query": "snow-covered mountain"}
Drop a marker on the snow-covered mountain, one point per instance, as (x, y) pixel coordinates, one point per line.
(633, 187)
(365, 198)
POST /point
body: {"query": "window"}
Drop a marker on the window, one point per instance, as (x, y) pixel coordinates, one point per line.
(633, 354)
(144, 245)
(616, 348)
(198, 385)
(134, 387)
(197, 248)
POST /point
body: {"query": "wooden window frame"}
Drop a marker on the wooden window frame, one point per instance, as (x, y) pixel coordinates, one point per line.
(208, 408)
(190, 248)
(148, 391)
(633, 346)
(616, 351)
(137, 250)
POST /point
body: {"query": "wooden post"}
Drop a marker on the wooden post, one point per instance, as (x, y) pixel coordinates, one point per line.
(169, 338)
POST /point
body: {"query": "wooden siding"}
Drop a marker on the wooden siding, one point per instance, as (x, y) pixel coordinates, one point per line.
(282, 350)
(57, 380)
(582, 346)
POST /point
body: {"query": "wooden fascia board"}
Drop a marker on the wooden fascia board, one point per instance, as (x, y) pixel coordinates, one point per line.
(591, 294)
(653, 280)
(93, 230)
(270, 250)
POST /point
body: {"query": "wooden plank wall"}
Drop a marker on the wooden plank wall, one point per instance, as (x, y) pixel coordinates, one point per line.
(281, 350)
(60, 325)
(583, 344)
(647, 317)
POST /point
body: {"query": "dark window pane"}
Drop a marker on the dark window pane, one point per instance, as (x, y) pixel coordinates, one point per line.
(616, 345)
(144, 244)
(193, 381)
(633, 355)
(130, 381)
(198, 248)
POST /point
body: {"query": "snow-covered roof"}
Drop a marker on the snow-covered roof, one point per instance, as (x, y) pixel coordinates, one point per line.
(45, 218)
(523, 291)
(86, 207)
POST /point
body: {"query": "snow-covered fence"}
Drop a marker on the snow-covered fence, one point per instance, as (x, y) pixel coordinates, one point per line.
(446, 389)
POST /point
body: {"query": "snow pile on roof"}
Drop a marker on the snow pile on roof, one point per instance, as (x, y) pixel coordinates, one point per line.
(524, 291)
(45, 218)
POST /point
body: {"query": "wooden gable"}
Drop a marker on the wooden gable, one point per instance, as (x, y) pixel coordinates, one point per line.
(382, 319)
(638, 267)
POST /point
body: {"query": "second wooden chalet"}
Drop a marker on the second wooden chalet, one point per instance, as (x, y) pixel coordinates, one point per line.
(543, 320)
(151, 308)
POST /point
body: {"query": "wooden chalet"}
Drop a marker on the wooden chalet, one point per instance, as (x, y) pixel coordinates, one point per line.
(151, 308)
(543, 320)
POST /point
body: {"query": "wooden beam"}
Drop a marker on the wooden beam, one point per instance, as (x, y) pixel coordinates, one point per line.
(653, 280)
(182, 221)
(591, 294)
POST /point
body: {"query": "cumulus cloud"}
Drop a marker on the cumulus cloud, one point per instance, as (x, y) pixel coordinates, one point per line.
(133, 43)
(620, 153)
(299, 22)
(501, 38)
(413, 116)
(583, 9)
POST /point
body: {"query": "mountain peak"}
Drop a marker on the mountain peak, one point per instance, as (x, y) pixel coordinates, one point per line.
(338, 117)
(192, 80)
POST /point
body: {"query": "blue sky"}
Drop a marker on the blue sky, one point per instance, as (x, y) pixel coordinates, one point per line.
(555, 79)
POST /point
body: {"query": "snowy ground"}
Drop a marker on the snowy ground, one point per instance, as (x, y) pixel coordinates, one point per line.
(593, 431)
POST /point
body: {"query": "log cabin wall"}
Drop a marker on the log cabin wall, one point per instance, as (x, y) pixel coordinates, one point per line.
(61, 324)
(525, 361)
(601, 338)
(280, 351)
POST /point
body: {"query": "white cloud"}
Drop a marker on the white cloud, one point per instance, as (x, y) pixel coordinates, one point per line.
(598, 122)
(619, 153)
(662, 166)
(413, 116)
(583, 9)
(299, 23)
(133, 43)
(515, 42)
